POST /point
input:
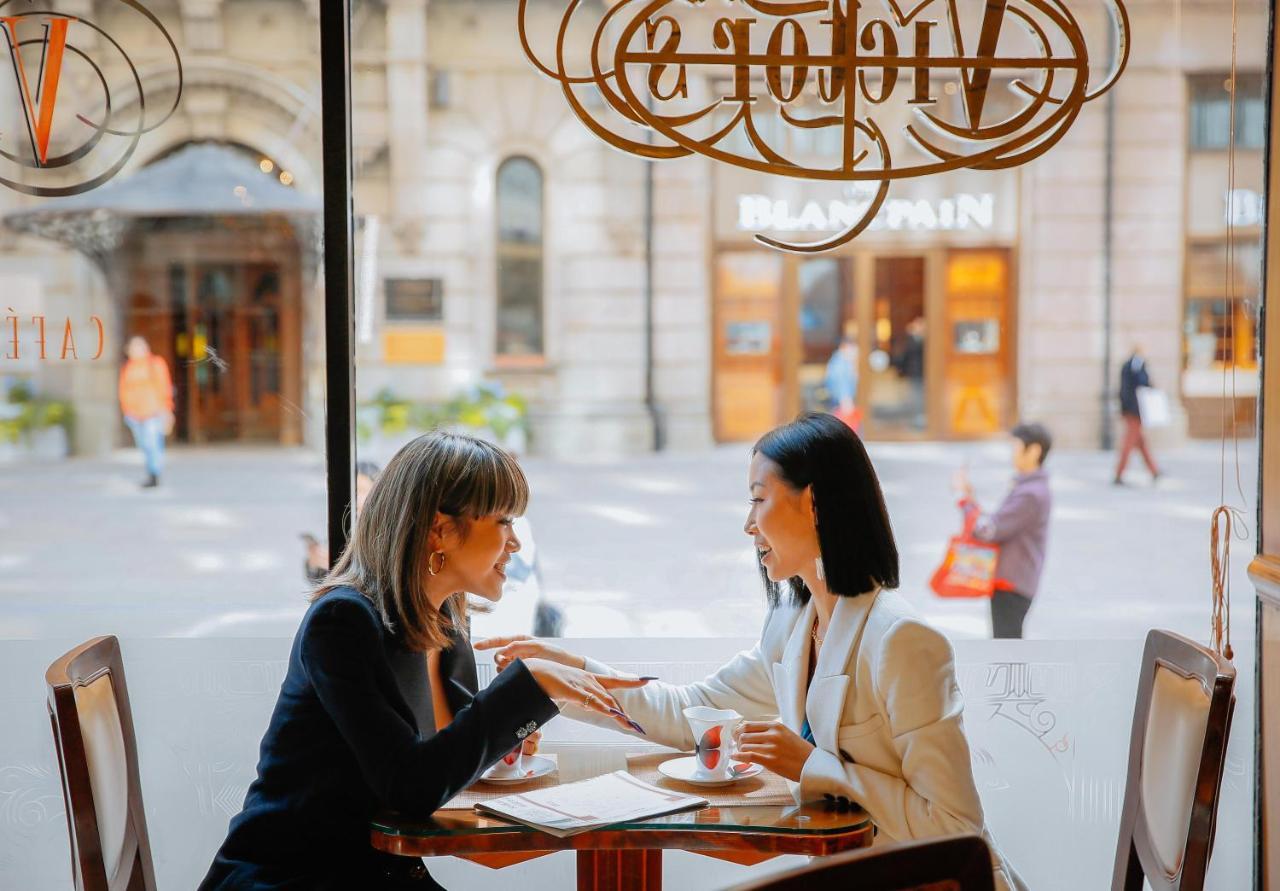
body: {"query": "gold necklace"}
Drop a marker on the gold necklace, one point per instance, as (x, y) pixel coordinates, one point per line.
(814, 634)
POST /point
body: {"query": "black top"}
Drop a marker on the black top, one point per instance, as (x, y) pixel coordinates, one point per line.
(351, 733)
(910, 361)
(1133, 374)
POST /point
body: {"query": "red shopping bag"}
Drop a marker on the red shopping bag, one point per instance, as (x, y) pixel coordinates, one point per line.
(969, 567)
(852, 418)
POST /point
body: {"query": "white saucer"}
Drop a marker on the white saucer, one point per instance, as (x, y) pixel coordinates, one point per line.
(686, 771)
(535, 766)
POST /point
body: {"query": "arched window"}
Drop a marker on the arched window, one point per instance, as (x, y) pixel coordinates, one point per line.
(519, 206)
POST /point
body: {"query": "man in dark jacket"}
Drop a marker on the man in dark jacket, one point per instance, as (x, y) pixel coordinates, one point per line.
(1020, 526)
(1133, 375)
(910, 365)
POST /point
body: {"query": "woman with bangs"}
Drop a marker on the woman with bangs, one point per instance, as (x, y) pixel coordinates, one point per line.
(848, 694)
(379, 706)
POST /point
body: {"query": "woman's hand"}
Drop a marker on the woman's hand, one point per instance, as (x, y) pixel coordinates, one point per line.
(522, 646)
(530, 744)
(773, 745)
(566, 685)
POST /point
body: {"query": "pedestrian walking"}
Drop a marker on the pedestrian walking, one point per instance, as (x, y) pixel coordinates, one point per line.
(910, 365)
(1020, 526)
(1133, 377)
(841, 380)
(146, 401)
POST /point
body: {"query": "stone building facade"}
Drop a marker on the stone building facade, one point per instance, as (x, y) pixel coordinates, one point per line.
(476, 187)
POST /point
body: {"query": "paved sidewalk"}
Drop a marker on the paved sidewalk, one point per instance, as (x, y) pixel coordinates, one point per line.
(645, 546)
(656, 546)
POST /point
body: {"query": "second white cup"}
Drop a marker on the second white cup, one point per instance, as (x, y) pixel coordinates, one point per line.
(713, 739)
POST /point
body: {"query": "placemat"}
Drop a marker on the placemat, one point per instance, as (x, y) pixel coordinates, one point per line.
(478, 792)
(765, 788)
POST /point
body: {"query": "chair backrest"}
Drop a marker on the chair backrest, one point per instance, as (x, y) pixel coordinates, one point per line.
(1177, 751)
(956, 863)
(98, 757)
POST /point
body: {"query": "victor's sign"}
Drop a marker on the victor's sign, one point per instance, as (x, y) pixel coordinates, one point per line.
(752, 82)
(65, 97)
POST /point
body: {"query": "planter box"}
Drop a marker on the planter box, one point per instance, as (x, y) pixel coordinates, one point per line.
(49, 444)
(381, 446)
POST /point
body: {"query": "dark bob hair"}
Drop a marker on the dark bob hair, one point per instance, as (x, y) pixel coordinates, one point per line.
(854, 536)
(1034, 434)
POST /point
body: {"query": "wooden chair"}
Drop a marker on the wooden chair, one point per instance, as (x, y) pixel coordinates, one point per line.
(1176, 754)
(958, 863)
(98, 758)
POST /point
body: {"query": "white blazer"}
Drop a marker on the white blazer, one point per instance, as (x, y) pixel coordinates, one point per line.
(883, 705)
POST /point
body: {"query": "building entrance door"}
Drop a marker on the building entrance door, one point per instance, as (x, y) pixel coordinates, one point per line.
(923, 339)
(229, 340)
(937, 344)
(827, 334)
(894, 331)
(226, 316)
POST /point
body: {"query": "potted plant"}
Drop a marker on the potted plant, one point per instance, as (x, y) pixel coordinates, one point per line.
(32, 426)
(484, 410)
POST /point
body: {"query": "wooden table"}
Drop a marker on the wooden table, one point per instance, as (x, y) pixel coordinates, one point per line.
(628, 856)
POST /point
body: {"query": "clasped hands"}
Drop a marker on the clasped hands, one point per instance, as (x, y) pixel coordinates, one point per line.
(771, 744)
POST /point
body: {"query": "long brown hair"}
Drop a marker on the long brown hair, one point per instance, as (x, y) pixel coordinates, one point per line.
(386, 557)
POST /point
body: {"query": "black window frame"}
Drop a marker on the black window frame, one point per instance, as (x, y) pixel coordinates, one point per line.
(339, 270)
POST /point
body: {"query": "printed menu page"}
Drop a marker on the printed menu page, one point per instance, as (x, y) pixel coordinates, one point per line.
(590, 804)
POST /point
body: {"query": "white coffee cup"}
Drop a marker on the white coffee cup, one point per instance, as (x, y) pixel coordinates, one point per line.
(713, 740)
(510, 764)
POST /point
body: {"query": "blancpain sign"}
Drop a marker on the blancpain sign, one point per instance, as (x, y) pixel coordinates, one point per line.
(962, 211)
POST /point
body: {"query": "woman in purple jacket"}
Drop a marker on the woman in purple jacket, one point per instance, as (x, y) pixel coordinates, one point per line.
(1020, 526)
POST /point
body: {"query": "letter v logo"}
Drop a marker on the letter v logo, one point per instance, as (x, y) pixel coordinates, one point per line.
(977, 80)
(38, 108)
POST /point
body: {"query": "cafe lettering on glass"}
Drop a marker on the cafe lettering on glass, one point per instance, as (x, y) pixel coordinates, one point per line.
(42, 337)
(106, 121)
(836, 65)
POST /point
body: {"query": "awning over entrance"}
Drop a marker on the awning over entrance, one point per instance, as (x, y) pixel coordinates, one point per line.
(199, 180)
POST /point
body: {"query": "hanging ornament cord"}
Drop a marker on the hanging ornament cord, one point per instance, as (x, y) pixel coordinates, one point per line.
(1228, 521)
(1220, 556)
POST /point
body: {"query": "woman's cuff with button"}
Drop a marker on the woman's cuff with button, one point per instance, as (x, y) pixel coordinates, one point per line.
(823, 776)
(516, 703)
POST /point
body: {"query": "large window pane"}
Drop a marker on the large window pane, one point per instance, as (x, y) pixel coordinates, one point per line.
(162, 388)
(974, 300)
(617, 324)
(161, 468)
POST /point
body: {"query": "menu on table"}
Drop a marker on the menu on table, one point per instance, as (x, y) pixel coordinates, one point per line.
(590, 804)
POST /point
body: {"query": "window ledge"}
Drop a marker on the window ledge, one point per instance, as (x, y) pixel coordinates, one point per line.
(521, 367)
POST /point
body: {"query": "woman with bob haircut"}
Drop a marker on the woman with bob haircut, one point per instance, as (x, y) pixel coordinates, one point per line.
(378, 708)
(848, 694)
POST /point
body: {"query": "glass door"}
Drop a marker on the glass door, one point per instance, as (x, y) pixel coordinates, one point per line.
(895, 343)
(827, 378)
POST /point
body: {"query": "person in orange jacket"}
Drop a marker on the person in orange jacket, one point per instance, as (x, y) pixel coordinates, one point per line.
(146, 400)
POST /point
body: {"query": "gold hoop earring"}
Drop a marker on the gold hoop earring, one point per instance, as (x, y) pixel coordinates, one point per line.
(431, 567)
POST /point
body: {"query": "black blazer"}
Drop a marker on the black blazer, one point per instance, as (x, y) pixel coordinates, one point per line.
(1133, 374)
(347, 738)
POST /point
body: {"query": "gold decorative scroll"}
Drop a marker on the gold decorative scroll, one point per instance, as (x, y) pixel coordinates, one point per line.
(828, 65)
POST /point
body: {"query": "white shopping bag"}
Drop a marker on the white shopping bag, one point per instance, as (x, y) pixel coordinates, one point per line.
(1153, 405)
